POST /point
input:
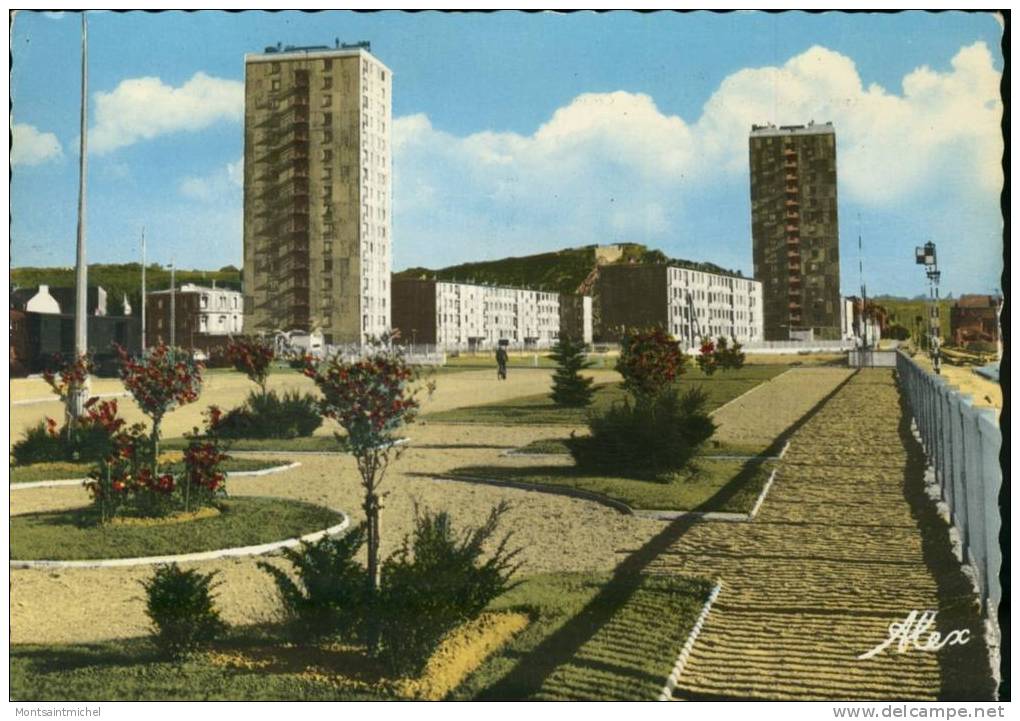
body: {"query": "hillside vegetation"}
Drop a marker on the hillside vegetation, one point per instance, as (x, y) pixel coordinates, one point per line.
(561, 271)
(124, 279)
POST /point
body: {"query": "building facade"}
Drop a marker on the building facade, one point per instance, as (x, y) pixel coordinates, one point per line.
(795, 228)
(689, 304)
(975, 319)
(466, 316)
(201, 316)
(317, 192)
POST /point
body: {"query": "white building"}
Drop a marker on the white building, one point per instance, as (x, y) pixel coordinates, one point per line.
(467, 316)
(198, 310)
(689, 304)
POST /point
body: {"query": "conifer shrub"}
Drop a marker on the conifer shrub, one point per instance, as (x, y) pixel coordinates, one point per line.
(570, 388)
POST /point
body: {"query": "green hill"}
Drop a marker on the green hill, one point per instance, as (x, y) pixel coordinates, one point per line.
(124, 278)
(561, 271)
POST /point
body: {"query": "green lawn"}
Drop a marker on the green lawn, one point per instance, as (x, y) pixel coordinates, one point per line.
(558, 446)
(591, 638)
(578, 620)
(317, 444)
(62, 471)
(539, 409)
(730, 486)
(244, 521)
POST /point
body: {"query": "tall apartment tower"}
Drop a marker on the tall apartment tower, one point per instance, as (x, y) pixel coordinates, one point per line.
(795, 229)
(317, 192)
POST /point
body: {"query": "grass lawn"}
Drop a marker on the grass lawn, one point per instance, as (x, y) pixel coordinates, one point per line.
(243, 521)
(558, 446)
(577, 620)
(730, 486)
(592, 637)
(539, 409)
(62, 471)
(323, 444)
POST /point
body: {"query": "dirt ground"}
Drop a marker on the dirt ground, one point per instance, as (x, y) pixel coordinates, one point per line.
(556, 532)
(986, 393)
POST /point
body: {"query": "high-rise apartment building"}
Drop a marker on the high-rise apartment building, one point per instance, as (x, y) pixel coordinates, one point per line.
(795, 229)
(317, 192)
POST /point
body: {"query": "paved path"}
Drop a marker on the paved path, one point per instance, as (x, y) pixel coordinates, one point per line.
(845, 544)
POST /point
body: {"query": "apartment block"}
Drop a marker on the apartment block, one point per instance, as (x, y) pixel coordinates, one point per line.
(200, 314)
(317, 192)
(467, 316)
(795, 229)
(689, 304)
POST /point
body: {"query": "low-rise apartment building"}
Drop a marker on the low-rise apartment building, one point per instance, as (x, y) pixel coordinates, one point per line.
(200, 315)
(689, 304)
(468, 316)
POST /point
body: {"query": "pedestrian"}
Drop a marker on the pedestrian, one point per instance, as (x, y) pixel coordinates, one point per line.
(501, 359)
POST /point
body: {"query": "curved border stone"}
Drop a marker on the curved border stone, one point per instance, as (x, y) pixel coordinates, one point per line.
(237, 551)
(657, 515)
(79, 481)
(678, 668)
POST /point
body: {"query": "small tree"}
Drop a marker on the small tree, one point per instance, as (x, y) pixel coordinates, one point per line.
(253, 356)
(713, 356)
(163, 379)
(650, 362)
(570, 388)
(371, 398)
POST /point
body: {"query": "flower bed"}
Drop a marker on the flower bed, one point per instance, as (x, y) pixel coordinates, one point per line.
(64, 470)
(242, 521)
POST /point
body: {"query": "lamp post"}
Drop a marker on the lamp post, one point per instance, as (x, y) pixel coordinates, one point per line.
(925, 255)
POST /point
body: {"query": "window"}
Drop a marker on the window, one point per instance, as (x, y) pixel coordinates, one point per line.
(276, 84)
(202, 323)
(327, 136)
(327, 63)
(327, 119)
(327, 100)
(274, 67)
(203, 302)
(327, 155)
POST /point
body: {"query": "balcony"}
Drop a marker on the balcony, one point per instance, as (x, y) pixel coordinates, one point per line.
(792, 215)
(792, 190)
(792, 204)
(794, 307)
(793, 240)
(791, 178)
(790, 165)
(792, 229)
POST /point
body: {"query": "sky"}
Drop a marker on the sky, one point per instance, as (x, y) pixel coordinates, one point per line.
(516, 133)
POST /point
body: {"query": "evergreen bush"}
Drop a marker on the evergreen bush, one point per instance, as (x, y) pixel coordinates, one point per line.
(645, 437)
(269, 415)
(329, 595)
(180, 606)
(570, 388)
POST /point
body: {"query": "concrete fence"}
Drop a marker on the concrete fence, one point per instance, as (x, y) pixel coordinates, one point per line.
(962, 445)
(793, 346)
(868, 358)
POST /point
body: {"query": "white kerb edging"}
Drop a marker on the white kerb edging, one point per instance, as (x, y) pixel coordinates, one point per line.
(237, 551)
(761, 496)
(678, 668)
(79, 481)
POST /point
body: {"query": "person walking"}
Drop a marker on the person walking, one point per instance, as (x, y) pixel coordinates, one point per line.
(501, 359)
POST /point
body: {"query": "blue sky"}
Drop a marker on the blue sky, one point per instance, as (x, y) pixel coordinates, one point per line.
(516, 133)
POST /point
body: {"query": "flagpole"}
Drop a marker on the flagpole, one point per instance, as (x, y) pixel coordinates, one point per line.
(143, 289)
(80, 392)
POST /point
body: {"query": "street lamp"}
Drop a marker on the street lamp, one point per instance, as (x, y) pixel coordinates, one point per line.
(925, 255)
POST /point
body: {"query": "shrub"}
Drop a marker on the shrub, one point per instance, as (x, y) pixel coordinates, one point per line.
(650, 361)
(268, 415)
(982, 346)
(436, 581)
(895, 331)
(645, 438)
(180, 606)
(330, 593)
(254, 357)
(41, 444)
(570, 388)
(713, 356)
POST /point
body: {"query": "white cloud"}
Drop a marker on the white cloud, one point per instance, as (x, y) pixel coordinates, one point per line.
(31, 147)
(221, 184)
(613, 166)
(144, 108)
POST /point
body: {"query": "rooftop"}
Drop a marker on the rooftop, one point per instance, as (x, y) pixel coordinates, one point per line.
(281, 52)
(811, 128)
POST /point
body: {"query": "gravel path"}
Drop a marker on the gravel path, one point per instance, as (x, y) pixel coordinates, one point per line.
(846, 544)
